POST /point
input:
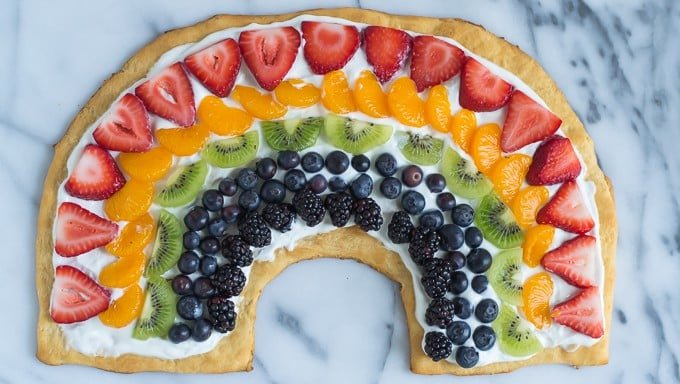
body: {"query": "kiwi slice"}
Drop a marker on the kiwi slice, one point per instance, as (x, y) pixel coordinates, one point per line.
(515, 336)
(420, 149)
(462, 177)
(168, 245)
(158, 313)
(292, 134)
(355, 136)
(232, 152)
(183, 185)
(498, 223)
(505, 276)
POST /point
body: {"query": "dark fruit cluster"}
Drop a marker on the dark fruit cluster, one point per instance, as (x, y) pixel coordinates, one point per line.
(279, 216)
(437, 346)
(309, 207)
(424, 243)
(237, 251)
(367, 214)
(254, 230)
(339, 206)
(229, 280)
(222, 313)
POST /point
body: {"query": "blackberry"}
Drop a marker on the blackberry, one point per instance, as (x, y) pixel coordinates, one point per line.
(339, 206)
(254, 230)
(237, 251)
(229, 280)
(439, 313)
(222, 314)
(279, 216)
(400, 228)
(309, 206)
(436, 277)
(424, 244)
(437, 346)
(367, 214)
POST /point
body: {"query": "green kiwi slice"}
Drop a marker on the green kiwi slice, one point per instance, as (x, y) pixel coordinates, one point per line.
(505, 276)
(232, 152)
(158, 313)
(515, 336)
(355, 136)
(462, 177)
(168, 245)
(497, 223)
(183, 185)
(420, 149)
(292, 134)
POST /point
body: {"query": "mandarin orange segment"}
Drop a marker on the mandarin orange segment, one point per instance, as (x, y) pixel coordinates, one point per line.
(405, 104)
(123, 272)
(183, 141)
(536, 294)
(297, 93)
(438, 108)
(151, 165)
(485, 147)
(508, 175)
(125, 309)
(261, 105)
(221, 119)
(130, 202)
(369, 95)
(462, 127)
(526, 204)
(133, 237)
(537, 241)
(335, 93)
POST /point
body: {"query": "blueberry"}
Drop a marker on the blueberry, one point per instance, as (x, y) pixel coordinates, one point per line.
(212, 200)
(312, 162)
(190, 240)
(337, 162)
(230, 213)
(217, 227)
(361, 163)
(412, 176)
(188, 262)
(463, 215)
(189, 307)
(473, 237)
(209, 245)
(201, 330)
(462, 307)
(294, 180)
(457, 258)
(246, 179)
(479, 283)
(266, 168)
(484, 337)
(431, 219)
(435, 182)
(486, 311)
(179, 332)
(182, 285)
(413, 202)
(362, 186)
(452, 237)
(446, 201)
(390, 187)
(208, 265)
(228, 186)
(288, 159)
(318, 183)
(467, 357)
(197, 218)
(458, 332)
(272, 191)
(386, 165)
(249, 200)
(459, 282)
(203, 288)
(337, 184)
(479, 260)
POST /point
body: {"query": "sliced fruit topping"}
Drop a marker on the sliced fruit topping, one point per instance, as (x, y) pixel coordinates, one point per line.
(498, 223)
(508, 174)
(537, 240)
(434, 61)
(480, 89)
(420, 149)
(328, 46)
(132, 201)
(147, 166)
(167, 247)
(216, 66)
(125, 309)
(125, 127)
(526, 122)
(269, 53)
(462, 127)
(505, 276)
(405, 104)
(536, 295)
(297, 93)
(574, 261)
(485, 147)
(232, 152)
(355, 136)
(292, 134)
(438, 108)
(183, 141)
(261, 105)
(169, 95)
(567, 210)
(554, 162)
(158, 310)
(183, 184)
(515, 337)
(386, 50)
(335, 93)
(582, 313)
(134, 236)
(369, 95)
(526, 204)
(123, 272)
(95, 176)
(79, 230)
(76, 297)
(221, 119)
(462, 177)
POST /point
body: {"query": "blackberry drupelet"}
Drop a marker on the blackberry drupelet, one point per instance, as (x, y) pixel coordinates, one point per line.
(400, 228)
(229, 280)
(367, 214)
(339, 206)
(439, 313)
(309, 206)
(436, 277)
(437, 346)
(222, 314)
(237, 251)
(254, 230)
(279, 216)
(424, 244)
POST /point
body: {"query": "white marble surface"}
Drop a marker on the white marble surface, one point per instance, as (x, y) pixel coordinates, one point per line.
(617, 61)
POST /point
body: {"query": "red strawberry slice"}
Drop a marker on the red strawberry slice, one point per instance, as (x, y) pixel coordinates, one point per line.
(76, 297)
(434, 61)
(481, 90)
(269, 53)
(574, 261)
(126, 127)
(329, 46)
(386, 50)
(526, 122)
(95, 176)
(567, 210)
(169, 95)
(216, 66)
(79, 230)
(582, 313)
(554, 162)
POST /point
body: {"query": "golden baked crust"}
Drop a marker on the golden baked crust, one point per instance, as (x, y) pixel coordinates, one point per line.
(235, 352)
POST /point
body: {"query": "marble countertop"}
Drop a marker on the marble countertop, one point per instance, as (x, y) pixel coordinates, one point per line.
(617, 61)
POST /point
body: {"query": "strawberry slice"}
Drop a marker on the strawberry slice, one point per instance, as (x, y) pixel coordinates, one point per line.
(79, 230)
(216, 66)
(329, 46)
(582, 313)
(169, 95)
(554, 162)
(95, 176)
(76, 297)
(434, 61)
(481, 90)
(269, 53)
(526, 122)
(567, 210)
(386, 50)
(574, 261)
(126, 127)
